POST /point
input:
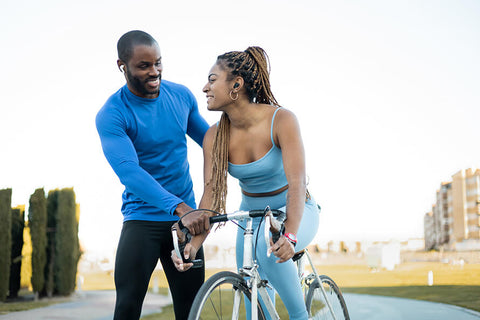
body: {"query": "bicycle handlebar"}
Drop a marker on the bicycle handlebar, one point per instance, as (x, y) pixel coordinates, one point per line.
(240, 215)
(275, 225)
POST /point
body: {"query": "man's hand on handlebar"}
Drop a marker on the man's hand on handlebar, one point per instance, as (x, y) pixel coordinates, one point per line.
(196, 221)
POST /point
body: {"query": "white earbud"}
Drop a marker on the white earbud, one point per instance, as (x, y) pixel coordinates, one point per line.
(122, 68)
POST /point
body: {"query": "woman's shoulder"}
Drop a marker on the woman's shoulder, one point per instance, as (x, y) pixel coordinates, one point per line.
(284, 114)
(209, 137)
(285, 124)
(271, 110)
(211, 132)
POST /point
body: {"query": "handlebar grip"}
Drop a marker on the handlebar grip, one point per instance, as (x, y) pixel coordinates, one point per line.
(197, 263)
(219, 218)
(181, 226)
(275, 236)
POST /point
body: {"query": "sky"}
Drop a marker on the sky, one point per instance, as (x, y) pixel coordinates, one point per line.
(386, 93)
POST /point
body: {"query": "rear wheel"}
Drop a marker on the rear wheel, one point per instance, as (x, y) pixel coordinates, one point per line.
(222, 296)
(316, 302)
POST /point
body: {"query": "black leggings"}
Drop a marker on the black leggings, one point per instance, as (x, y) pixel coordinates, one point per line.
(140, 246)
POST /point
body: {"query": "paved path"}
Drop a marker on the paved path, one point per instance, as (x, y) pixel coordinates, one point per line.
(362, 306)
(88, 305)
(98, 305)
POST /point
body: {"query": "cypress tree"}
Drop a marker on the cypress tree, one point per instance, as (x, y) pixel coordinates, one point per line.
(52, 203)
(67, 252)
(18, 224)
(5, 241)
(37, 219)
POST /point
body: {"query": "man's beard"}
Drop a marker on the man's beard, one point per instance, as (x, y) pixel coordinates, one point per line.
(140, 86)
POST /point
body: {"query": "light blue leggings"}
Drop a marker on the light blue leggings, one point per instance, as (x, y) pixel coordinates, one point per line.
(282, 276)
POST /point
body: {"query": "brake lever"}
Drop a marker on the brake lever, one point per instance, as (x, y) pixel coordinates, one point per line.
(274, 226)
(175, 242)
(180, 248)
(267, 233)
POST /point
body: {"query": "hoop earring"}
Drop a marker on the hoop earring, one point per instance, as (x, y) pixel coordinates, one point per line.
(230, 94)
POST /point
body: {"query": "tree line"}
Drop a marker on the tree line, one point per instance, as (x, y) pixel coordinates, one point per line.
(53, 229)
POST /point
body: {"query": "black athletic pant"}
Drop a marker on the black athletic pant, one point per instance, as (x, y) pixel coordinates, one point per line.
(140, 246)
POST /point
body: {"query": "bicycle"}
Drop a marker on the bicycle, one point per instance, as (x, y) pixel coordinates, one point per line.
(223, 295)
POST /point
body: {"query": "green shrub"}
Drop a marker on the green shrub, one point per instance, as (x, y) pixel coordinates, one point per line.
(5, 241)
(18, 224)
(67, 250)
(52, 203)
(63, 248)
(37, 218)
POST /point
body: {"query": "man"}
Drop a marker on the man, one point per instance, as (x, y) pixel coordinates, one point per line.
(143, 128)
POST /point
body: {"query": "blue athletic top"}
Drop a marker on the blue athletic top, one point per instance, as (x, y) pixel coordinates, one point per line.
(144, 140)
(264, 175)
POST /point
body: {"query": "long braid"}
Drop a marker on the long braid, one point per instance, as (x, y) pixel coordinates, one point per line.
(220, 164)
(253, 66)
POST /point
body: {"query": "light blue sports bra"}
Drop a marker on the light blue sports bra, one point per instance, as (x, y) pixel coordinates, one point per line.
(264, 175)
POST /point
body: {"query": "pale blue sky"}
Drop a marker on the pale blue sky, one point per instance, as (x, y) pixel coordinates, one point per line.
(387, 94)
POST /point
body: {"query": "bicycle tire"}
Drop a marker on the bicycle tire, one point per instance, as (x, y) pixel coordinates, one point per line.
(215, 298)
(317, 306)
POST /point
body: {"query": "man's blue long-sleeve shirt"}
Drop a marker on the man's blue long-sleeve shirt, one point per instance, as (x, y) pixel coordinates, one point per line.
(144, 140)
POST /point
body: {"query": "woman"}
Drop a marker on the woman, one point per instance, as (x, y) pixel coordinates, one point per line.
(259, 143)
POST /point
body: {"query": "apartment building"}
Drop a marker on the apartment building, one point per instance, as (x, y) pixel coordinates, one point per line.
(455, 217)
(429, 230)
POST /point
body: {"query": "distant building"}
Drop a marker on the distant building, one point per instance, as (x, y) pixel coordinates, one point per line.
(429, 231)
(455, 217)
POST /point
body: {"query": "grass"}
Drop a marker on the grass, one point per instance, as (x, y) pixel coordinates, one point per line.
(26, 302)
(405, 274)
(22, 306)
(453, 284)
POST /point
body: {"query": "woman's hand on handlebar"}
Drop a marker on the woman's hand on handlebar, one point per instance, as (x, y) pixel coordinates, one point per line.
(282, 249)
(188, 247)
(190, 251)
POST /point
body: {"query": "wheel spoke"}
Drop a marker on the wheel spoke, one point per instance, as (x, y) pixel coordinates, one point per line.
(317, 303)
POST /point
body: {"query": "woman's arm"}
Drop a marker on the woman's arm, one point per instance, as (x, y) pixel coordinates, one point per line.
(288, 138)
(207, 197)
(192, 248)
(206, 201)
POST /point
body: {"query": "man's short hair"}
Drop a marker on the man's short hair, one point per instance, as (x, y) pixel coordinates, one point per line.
(129, 40)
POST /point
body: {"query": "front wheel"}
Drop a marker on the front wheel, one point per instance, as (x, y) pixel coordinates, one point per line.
(316, 302)
(222, 296)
